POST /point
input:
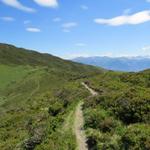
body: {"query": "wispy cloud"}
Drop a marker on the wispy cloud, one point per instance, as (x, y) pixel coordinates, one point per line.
(18, 5)
(76, 55)
(66, 30)
(84, 7)
(134, 19)
(80, 44)
(69, 25)
(8, 19)
(32, 29)
(57, 19)
(47, 3)
(27, 22)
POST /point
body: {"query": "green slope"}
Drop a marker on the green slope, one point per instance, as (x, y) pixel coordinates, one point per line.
(10, 74)
(18, 56)
(37, 92)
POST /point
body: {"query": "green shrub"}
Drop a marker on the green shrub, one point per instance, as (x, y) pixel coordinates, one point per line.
(108, 125)
(55, 109)
(92, 138)
(91, 102)
(93, 117)
(102, 141)
(109, 142)
(136, 137)
(132, 109)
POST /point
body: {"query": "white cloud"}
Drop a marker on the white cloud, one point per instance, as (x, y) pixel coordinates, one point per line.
(69, 25)
(9, 19)
(80, 44)
(84, 7)
(146, 48)
(47, 3)
(57, 19)
(18, 5)
(133, 19)
(75, 55)
(31, 29)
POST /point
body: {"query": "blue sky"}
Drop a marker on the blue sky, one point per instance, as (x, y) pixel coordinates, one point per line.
(72, 28)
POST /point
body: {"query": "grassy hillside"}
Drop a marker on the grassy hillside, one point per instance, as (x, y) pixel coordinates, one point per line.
(11, 55)
(37, 92)
(10, 74)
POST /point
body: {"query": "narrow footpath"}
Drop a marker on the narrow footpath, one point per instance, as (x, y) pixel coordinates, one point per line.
(93, 93)
(79, 122)
(78, 128)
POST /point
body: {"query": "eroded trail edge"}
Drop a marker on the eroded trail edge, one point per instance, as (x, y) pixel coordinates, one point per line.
(93, 93)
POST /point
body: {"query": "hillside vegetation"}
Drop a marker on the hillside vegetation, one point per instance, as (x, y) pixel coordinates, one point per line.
(119, 117)
(11, 55)
(37, 92)
(40, 93)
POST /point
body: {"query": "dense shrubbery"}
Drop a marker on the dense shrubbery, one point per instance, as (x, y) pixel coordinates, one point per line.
(132, 110)
(99, 119)
(119, 118)
(102, 141)
(93, 118)
(102, 129)
(136, 137)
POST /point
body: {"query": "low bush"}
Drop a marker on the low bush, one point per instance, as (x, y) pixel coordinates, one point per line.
(93, 118)
(136, 137)
(108, 125)
(132, 108)
(102, 141)
(55, 109)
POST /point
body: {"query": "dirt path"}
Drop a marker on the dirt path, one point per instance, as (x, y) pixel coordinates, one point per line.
(75, 122)
(78, 128)
(79, 122)
(93, 93)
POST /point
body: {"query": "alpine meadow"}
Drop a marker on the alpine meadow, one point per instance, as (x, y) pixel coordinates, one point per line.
(74, 75)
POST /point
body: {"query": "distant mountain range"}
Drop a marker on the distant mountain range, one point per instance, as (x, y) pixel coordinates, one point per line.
(128, 64)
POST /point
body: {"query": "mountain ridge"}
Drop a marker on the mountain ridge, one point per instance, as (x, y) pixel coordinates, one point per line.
(10, 54)
(127, 64)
